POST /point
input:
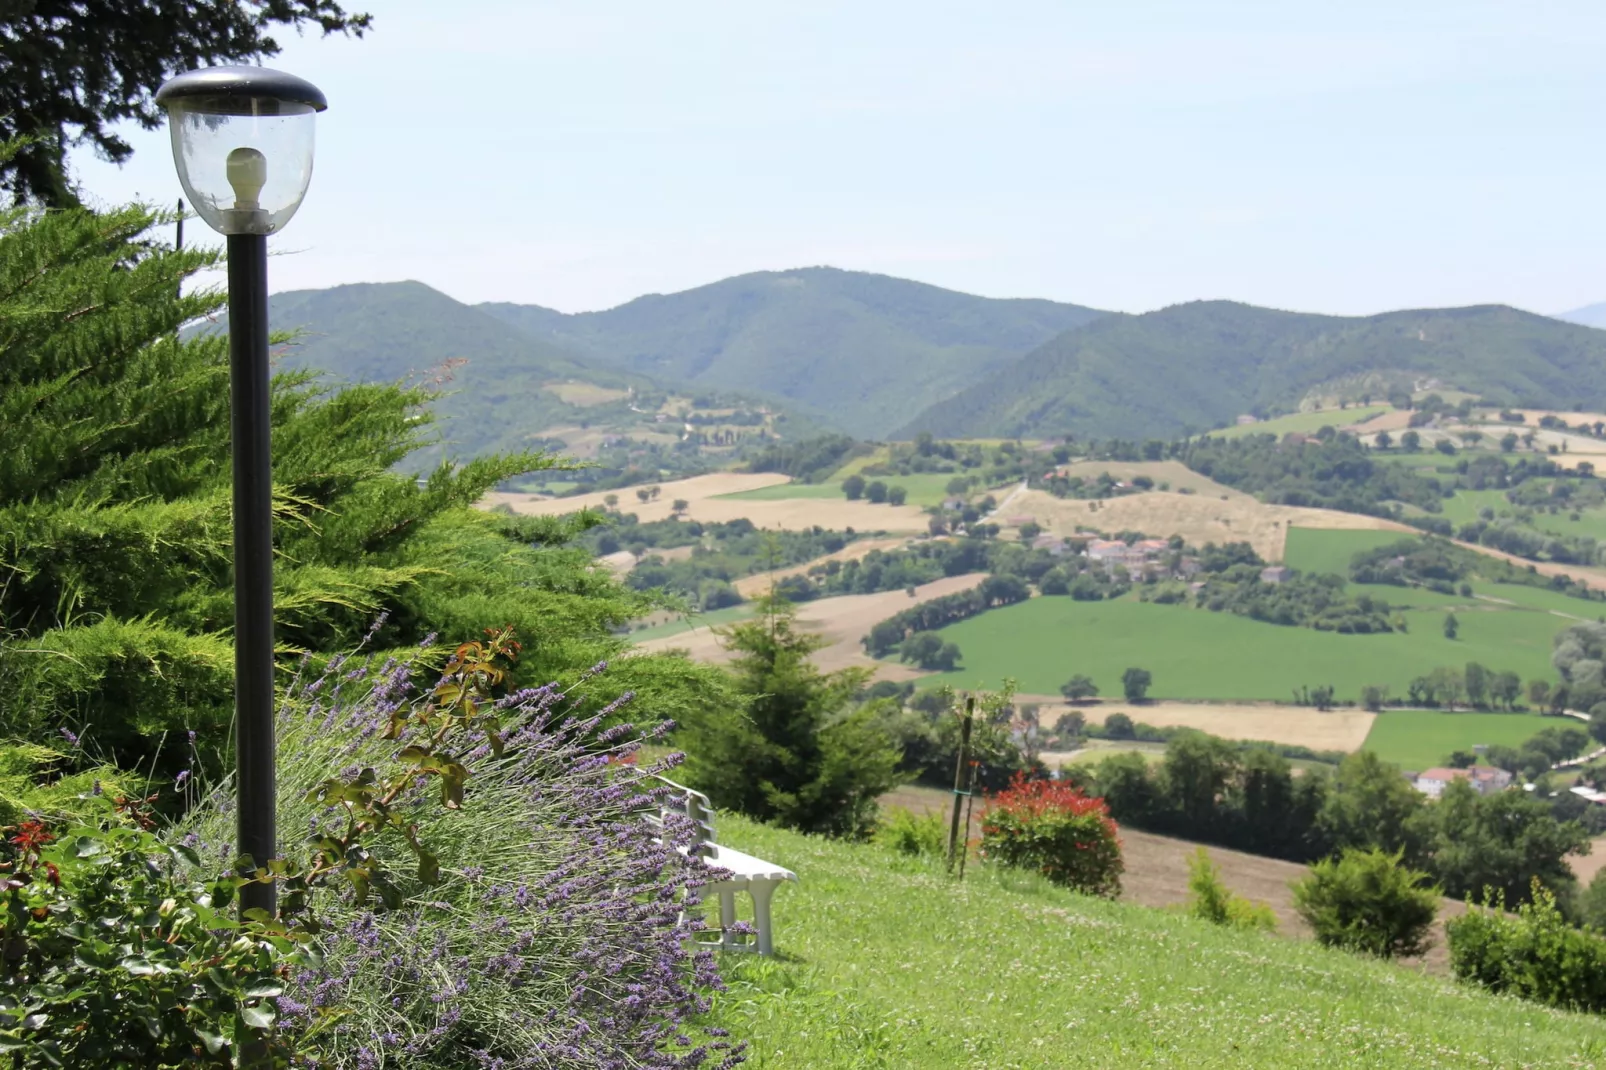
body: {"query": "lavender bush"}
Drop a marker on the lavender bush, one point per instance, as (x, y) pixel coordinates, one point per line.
(556, 934)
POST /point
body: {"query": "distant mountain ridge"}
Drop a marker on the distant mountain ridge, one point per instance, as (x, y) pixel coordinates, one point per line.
(1589, 316)
(864, 351)
(1194, 366)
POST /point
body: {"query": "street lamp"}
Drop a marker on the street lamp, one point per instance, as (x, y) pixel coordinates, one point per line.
(242, 140)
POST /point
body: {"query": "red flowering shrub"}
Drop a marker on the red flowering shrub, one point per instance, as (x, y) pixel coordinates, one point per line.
(1057, 830)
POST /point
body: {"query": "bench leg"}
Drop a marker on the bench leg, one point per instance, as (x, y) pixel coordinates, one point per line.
(727, 917)
(762, 891)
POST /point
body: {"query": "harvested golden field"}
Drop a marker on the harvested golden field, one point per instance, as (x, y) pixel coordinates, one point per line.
(842, 621)
(702, 495)
(582, 443)
(759, 583)
(1394, 420)
(584, 395)
(1300, 726)
(1177, 474)
(1198, 518)
(1571, 419)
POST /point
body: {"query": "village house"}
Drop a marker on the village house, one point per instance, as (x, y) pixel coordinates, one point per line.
(1485, 780)
(1052, 543)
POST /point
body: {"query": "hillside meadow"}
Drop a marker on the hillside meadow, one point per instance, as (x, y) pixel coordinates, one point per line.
(885, 962)
(1422, 739)
(1197, 654)
(1304, 422)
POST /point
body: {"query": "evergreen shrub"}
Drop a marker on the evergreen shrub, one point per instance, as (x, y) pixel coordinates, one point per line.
(1368, 901)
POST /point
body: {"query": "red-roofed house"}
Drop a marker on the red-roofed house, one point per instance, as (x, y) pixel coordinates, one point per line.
(1485, 780)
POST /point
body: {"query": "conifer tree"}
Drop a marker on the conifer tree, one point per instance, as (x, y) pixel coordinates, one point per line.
(116, 602)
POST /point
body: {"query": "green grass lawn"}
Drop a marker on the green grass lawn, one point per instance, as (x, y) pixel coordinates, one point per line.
(886, 963)
(1305, 422)
(1421, 739)
(1320, 550)
(728, 615)
(1196, 654)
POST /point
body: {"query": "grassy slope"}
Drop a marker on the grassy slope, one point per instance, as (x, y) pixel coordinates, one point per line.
(1420, 739)
(1314, 550)
(887, 964)
(1196, 654)
(1304, 422)
(716, 618)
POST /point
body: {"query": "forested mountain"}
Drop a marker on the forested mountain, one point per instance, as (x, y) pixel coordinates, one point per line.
(1195, 366)
(493, 374)
(866, 351)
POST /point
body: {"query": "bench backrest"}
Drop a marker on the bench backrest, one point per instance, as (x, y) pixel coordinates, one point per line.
(694, 806)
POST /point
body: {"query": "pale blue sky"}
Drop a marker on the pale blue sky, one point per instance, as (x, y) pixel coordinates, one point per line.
(1341, 156)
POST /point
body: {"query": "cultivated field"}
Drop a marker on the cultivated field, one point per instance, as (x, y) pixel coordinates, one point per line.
(706, 500)
(759, 583)
(1422, 739)
(842, 621)
(1305, 422)
(1341, 729)
(1197, 654)
(584, 395)
(1392, 420)
(1178, 475)
(886, 962)
(1198, 518)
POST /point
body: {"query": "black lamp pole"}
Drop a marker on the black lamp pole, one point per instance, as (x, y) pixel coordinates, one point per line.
(253, 558)
(221, 119)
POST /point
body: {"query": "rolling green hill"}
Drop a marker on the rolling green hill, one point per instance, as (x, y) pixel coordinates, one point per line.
(865, 350)
(382, 332)
(1191, 367)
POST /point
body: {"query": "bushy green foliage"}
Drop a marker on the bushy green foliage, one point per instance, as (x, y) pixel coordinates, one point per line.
(39, 782)
(912, 834)
(1211, 900)
(1535, 954)
(115, 544)
(939, 612)
(1056, 830)
(117, 956)
(1337, 473)
(792, 749)
(808, 461)
(1368, 901)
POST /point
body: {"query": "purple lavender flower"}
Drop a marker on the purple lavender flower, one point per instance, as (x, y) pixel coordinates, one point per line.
(67, 734)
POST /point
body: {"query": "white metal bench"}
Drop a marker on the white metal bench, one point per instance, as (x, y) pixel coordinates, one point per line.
(753, 875)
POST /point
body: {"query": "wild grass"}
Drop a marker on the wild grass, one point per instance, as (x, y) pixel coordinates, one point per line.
(887, 963)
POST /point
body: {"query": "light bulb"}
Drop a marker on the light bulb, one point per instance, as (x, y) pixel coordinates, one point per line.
(248, 173)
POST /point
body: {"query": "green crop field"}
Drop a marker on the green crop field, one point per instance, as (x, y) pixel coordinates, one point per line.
(786, 492)
(1303, 422)
(1464, 507)
(1421, 739)
(1196, 654)
(1320, 550)
(886, 963)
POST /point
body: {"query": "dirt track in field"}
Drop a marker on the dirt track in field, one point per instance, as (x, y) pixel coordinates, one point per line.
(704, 503)
(1343, 730)
(842, 621)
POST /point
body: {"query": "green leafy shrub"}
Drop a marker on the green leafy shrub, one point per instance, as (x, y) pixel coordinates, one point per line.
(1212, 901)
(1055, 829)
(1368, 901)
(1535, 954)
(912, 834)
(114, 959)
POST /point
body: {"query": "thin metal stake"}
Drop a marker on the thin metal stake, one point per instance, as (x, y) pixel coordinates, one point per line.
(959, 778)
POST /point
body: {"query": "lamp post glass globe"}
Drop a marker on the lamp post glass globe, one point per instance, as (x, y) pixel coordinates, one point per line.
(243, 143)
